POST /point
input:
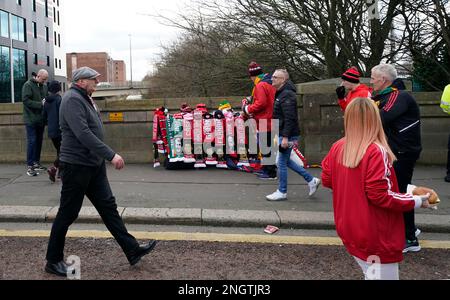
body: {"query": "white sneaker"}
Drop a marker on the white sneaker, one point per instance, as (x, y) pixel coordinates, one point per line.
(313, 186)
(277, 196)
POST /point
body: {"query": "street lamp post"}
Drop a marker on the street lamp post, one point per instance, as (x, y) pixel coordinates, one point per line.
(131, 63)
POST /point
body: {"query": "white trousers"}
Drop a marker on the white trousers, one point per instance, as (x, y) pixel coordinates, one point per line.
(378, 271)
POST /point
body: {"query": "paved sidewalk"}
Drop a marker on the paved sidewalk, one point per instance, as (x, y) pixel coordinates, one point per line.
(200, 197)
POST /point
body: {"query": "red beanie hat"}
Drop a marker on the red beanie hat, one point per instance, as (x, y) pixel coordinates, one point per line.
(254, 69)
(351, 75)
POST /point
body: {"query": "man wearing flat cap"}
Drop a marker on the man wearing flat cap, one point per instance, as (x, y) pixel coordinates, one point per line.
(83, 173)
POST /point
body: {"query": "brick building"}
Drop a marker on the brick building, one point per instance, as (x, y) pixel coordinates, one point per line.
(119, 71)
(111, 71)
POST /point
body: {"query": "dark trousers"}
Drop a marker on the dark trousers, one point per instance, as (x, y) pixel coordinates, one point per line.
(404, 169)
(35, 136)
(448, 157)
(57, 143)
(265, 140)
(78, 181)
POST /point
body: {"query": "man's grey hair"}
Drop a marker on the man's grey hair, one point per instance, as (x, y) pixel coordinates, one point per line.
(42, 72)
(386, 70)
(284, 72)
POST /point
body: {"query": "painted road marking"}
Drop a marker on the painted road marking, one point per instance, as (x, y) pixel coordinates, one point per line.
(208, 237)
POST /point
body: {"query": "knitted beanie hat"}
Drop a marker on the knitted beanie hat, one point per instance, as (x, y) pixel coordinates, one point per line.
(352, 75)
(254, 69)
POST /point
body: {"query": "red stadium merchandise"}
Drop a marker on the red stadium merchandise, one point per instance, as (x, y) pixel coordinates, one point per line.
(298, 157)
(175, 127)
(219, 124)
(241, 141)
(198, 138)
(163, 145)
(229, 133)
(188, 123)
(209, 138)
(159, 135)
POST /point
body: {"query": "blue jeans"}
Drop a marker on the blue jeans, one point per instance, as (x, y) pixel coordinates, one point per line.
(35, 136)
(284, 161)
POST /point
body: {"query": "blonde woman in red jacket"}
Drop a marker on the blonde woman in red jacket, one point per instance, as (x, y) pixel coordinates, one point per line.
(367, 206)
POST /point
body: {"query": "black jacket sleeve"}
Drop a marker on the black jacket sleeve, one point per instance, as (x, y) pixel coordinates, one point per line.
(288, 103)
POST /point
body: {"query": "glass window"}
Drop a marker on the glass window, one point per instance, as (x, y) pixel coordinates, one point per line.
(20, 72)
(34, 29)
(34, 5)
(19, 2)
(4, 24)
(48, 61)
(18, 28)
(46, 8)
(47, 34)
(5, 75)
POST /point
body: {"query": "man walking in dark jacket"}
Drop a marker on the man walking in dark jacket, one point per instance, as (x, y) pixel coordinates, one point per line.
(400, 115)
(83, 155)
(285, 110)
(33, 93)
(51, 118)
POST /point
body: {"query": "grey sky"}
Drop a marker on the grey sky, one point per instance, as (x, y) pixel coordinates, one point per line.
(105, 25)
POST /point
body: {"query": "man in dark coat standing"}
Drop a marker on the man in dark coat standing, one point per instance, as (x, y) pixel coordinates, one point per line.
(400, 115)
(33, 93)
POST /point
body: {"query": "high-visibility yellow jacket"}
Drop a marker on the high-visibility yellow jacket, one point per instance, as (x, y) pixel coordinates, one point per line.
(445, 101)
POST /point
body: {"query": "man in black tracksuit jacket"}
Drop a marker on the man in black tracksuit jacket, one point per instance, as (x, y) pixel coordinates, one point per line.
(400, 115)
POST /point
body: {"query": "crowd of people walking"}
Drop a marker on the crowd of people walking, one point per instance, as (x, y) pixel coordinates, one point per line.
(374, 162)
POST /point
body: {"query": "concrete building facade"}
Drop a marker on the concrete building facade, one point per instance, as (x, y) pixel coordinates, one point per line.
(111, 71)
(31, 38)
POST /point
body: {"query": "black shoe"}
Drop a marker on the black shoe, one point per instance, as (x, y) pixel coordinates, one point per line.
(59, 269)
(447, 178)
(412, 246)
(136, 256)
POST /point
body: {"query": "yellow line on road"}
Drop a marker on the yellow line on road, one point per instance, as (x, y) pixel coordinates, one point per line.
(208, 237)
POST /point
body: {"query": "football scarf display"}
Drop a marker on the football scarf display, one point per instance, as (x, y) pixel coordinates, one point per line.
(188, 122)
(219, 130)
(208, 132)
(175, 127)
(241, 141)
(198, 139)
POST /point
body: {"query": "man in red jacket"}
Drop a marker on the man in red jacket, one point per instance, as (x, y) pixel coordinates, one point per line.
(351, 82)
(262, 109)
